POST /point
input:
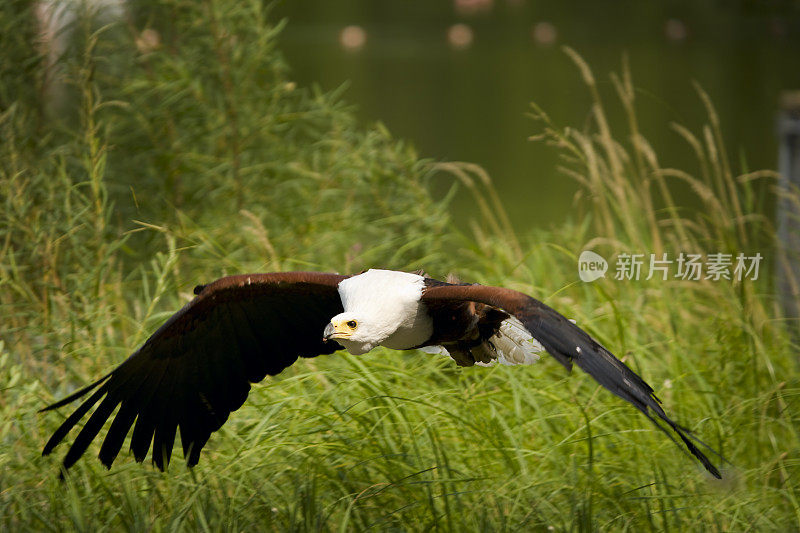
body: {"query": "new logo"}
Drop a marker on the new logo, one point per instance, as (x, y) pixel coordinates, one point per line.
(591, 266)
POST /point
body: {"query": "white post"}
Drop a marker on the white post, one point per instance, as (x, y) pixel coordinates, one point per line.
(788, 256)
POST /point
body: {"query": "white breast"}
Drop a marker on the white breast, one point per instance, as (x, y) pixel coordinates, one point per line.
(392, 301)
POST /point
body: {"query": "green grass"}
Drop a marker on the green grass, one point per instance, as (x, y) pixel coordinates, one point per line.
(178, 174)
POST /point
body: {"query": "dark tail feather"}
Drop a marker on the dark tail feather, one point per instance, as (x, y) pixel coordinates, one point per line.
(119, 429)
(166, 422)
(70, 422)
(687, 438)
(91, 429)
(74, 396)
(144, 428)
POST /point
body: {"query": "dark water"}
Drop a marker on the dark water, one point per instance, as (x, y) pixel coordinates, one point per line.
(470, 104)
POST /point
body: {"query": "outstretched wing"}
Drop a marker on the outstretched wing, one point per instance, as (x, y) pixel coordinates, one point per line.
(197, 367)
(570, 344)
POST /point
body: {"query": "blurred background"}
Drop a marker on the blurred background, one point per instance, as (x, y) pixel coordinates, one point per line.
(456, 77)
(147, 146)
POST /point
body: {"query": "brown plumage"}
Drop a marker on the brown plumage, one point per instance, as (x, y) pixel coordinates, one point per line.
(197, 367)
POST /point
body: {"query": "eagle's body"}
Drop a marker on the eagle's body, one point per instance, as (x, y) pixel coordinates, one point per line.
(197, 367)
(387, 306)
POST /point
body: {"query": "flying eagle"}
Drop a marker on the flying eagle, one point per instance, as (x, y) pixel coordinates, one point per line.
(198, 366)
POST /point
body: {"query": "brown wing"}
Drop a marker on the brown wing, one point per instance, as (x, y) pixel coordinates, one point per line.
(569, 344)
(197, 367)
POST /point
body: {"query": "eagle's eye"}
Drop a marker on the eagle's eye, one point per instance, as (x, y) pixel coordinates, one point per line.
(352, 324)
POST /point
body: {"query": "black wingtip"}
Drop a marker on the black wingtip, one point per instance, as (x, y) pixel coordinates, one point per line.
(75, 395)
(568, 343)
(686, 436)
(697, 453)
(73, 419)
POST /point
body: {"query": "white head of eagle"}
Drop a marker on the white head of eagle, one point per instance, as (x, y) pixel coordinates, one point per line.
(381, 307)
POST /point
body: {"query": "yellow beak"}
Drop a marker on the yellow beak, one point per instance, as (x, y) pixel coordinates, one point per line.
(334, 332)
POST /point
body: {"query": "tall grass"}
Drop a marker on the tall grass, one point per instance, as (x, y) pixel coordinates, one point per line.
(200, 157)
